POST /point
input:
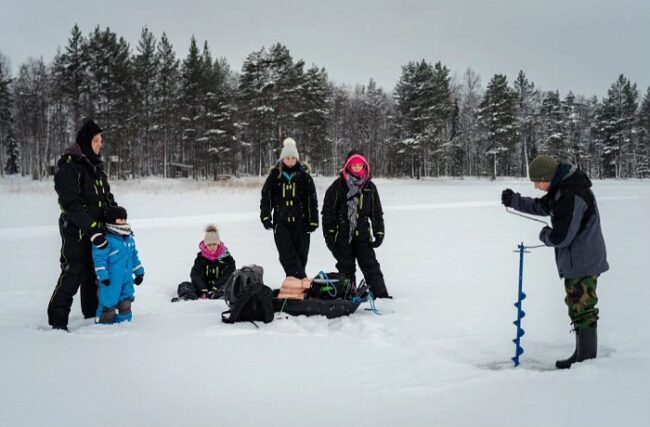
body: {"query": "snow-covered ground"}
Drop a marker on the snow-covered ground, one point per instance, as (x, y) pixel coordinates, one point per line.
(438, 355)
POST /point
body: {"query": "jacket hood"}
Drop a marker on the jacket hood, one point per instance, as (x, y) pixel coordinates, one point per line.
(569, 174)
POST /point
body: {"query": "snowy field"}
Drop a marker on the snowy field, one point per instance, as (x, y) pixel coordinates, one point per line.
(438, 355)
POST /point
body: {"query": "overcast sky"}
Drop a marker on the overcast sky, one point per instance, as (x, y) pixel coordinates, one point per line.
(582, 45)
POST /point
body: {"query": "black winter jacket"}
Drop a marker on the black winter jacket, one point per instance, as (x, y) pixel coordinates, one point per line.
(83, 190)
(575, 234)
(290, 197)
(208, 275)
(335, 211)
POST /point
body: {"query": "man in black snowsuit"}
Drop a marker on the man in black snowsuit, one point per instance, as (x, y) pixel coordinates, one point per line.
(289, 207)
(84, 195)
(353, 222)
(576, 235)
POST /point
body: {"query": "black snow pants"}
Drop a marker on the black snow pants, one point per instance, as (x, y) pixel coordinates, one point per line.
(360, 250)
(292, 242)
(77, 270)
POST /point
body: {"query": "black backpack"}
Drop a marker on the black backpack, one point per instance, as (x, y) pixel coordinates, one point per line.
(247, 296)
(331, 286)
(254, 303)
(240, 280)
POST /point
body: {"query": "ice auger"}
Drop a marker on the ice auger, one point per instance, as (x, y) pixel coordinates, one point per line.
(521, 296)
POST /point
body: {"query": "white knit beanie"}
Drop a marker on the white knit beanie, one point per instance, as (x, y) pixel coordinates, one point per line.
(211, 235)
(289, 149)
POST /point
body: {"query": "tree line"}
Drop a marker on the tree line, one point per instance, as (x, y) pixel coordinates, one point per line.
(194, 116)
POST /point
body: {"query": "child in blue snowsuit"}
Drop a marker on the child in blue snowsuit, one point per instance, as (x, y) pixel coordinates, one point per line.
(116, 264)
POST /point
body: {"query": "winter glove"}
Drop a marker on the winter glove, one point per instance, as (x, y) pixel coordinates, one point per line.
(506, 197)
(543, 235)
(99, 241)
(215, 293)
(106, 282)
(330, 242)
(379, 238)
(138, 279)
(312, 227)
(268, 224)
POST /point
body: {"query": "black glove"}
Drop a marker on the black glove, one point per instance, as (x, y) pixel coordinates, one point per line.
(268, 224)
(544, 233)
(379, 238)
(506, 197)
(215, 293)
(99, 241)
(330, 242)
(138, 279)
(106, 282)
(312, 227)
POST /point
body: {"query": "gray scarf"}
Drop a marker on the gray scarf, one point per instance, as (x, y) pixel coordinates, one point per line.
(354, 190)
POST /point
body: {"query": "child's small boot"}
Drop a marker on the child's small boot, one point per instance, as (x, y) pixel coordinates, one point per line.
(107, 317)
(124, 315)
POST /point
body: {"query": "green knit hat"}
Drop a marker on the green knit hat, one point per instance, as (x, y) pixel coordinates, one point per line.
(542, 169)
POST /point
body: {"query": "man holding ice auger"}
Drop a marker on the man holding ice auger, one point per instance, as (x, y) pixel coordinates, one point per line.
(576, 235)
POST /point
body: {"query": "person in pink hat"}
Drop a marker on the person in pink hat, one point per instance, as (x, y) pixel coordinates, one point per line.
(353, 222)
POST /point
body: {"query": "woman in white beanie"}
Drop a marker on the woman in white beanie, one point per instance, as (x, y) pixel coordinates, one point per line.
(289, 207)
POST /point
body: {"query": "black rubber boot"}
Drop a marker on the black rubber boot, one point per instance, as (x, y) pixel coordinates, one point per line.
(587, 344)
(586, 348)
(566, 363)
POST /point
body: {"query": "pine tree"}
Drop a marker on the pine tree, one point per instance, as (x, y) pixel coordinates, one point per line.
(110, 95)
(7, 124)
(443, 112)
(553, 123)
(526, 113)
(644, 136)
(497, 115)
(59, 109)
(166, 95)
(616, 125)
(414, 102)
(192, 96)
(270, 99)
(145, 69)
(311, 120)
(577, 114)
(73, 71)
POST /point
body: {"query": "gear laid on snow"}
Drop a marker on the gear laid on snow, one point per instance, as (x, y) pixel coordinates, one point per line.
(329, 294)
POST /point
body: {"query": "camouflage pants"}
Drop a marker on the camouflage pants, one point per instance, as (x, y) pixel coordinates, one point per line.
(581, 299)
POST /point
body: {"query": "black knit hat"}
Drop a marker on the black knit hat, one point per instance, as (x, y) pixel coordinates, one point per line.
(86, 135)
(543, 169)
(115, 212)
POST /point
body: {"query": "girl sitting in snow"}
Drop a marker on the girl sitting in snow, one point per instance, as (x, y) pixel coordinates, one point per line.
(116, 264)
(212, 267)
